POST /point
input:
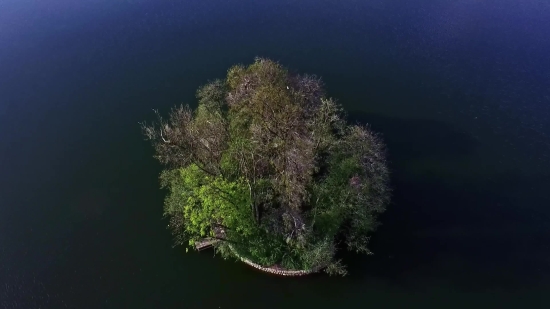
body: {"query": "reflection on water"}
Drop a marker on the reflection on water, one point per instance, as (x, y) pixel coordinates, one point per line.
(20, 291)
(90, 205)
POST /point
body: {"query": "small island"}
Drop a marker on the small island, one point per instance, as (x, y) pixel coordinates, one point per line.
(266, 170)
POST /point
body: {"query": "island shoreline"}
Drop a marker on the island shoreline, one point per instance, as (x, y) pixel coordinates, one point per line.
(275, 270)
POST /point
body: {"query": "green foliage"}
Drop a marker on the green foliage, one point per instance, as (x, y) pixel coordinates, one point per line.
(234, 76)
(212, 95)
(268, 165)
(204, 201)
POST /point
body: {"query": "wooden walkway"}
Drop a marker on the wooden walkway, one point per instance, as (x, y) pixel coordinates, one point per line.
(205, 243)
(208, 242)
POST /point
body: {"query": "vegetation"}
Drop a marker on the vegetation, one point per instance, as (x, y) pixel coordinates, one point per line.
(267, 164)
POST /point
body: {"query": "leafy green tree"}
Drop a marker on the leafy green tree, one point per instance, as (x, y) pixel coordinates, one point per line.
(267, 165)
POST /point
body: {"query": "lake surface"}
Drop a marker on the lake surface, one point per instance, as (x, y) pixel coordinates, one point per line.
(460, 91)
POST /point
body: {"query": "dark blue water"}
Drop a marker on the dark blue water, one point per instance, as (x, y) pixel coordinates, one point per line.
(459, 89)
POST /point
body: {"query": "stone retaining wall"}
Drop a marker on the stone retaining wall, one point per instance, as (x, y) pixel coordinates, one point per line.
(273, 270)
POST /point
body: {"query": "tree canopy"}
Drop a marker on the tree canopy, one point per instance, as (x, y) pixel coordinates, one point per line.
(268, 165)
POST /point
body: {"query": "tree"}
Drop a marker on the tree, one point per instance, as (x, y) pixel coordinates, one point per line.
(268, 165)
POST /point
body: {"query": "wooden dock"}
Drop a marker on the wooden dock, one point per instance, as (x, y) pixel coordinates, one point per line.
(208, 242)
(205, 243)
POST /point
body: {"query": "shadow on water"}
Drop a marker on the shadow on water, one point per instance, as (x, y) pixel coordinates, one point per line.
(471, 234)
(410, 139)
